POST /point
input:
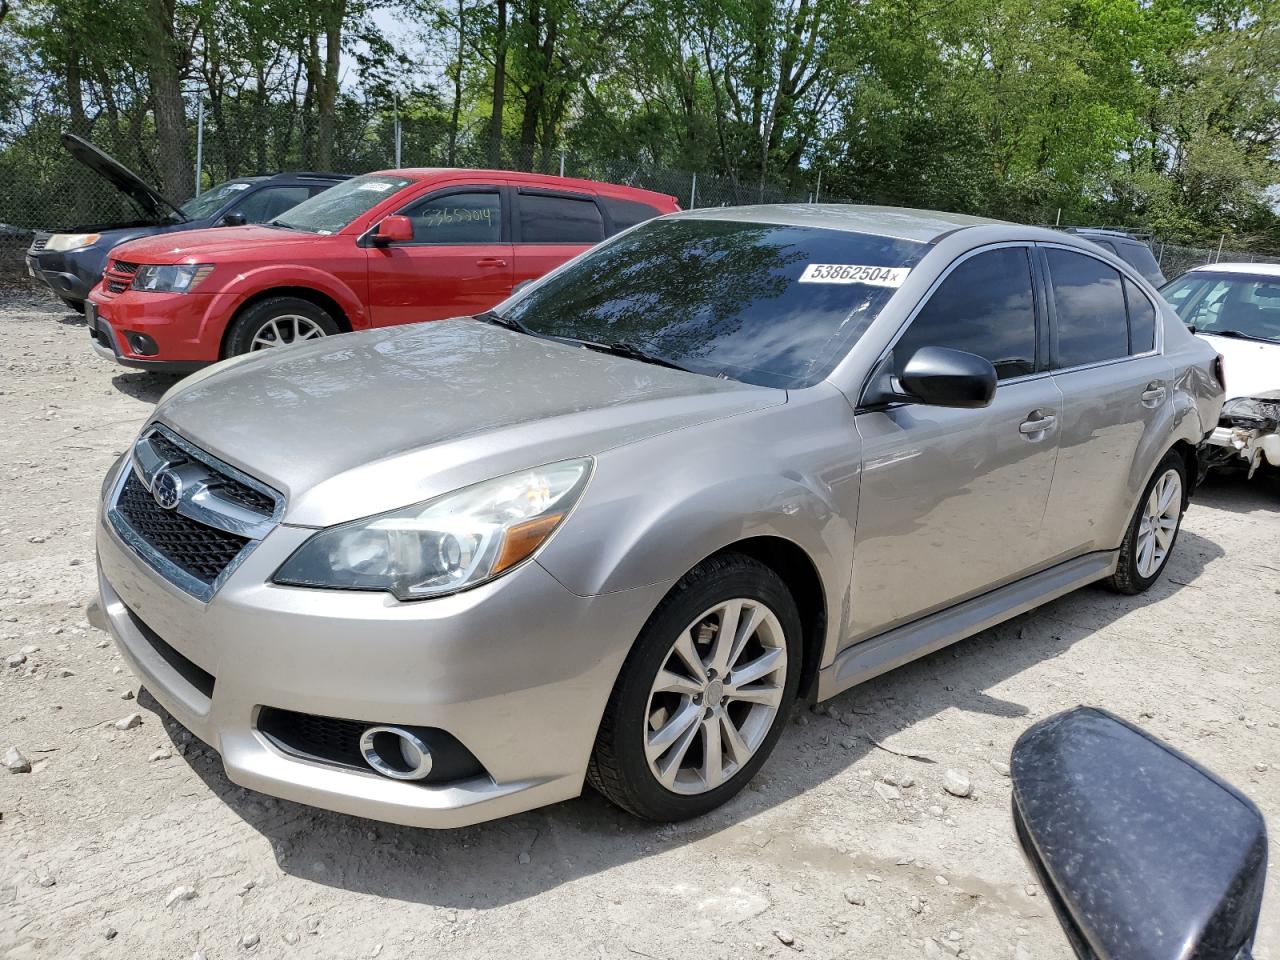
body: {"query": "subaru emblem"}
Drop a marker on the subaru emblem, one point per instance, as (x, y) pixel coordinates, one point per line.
(166, 488)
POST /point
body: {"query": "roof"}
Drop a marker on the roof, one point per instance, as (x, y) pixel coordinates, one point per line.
(1265, 269)
(518, 177)
(903, 223)
(1104, 232)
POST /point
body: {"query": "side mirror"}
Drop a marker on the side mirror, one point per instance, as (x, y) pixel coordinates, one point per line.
(393, 229)
(234, 220)
(939, 377)
(1144, 854)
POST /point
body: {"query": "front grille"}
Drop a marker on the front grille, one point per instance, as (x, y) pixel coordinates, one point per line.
(335, 741)
(124, 266)
(117, 286)
(40, 242)
(202, 552)
(228, 487)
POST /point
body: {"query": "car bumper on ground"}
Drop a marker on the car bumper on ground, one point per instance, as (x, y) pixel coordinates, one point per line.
(517, 670)
(148, 331)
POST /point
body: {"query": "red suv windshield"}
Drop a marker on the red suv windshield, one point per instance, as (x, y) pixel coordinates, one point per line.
(332, 210)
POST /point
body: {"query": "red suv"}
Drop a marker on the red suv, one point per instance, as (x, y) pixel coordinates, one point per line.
(386, 248)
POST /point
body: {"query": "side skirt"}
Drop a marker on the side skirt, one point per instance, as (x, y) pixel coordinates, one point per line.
(882, 653)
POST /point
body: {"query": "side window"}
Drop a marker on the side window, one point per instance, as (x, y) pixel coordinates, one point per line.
(985, 306)
(268, 203)
(1089, 306)
(458, 218)
(1142, 320)
(547, 219)
(627, 213)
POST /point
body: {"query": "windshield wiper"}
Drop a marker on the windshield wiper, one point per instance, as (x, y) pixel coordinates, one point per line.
(630, 351)
(282, 225)
(1237, 335)
(510, 323)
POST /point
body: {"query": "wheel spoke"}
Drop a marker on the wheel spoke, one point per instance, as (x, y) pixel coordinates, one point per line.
(668, 771)
(758, 669)
(660, 741)
(669, 682)
(768, 694)
(725, 637)
(688, 653)
(712, 752)
(746, 629)
(739, 752)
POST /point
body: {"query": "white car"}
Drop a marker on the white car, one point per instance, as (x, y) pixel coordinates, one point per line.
(1236, 307)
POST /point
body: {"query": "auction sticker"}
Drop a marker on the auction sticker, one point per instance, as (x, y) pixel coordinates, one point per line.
(852, 273)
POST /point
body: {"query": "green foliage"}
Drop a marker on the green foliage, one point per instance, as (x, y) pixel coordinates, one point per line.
(1154, 113)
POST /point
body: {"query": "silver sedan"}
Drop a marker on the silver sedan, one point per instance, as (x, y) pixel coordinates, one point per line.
(610, 531)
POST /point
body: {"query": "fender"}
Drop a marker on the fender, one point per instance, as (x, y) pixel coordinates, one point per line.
(719, 488)
(224, 304)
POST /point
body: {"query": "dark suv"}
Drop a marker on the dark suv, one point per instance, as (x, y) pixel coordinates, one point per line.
(71, 263)
(1130, 248)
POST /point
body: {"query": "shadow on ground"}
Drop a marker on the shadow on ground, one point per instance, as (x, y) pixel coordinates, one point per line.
(478, 867)
(148, 387)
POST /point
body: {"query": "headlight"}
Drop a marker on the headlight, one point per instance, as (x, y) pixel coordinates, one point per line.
(455, 541)
(177, 278)
(71, 241)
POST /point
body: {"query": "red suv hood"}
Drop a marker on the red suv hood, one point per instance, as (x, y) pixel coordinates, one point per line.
(208, 246)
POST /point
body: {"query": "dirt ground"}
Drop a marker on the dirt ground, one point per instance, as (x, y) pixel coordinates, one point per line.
(821, 854)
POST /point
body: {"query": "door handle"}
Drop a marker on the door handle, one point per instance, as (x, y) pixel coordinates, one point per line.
(491, 262)
(1154, 394)
(1036, 422)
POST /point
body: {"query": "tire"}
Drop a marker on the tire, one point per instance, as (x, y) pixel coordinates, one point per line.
(697, 605)
(1132, 576)
(76, 305)
(290, 315)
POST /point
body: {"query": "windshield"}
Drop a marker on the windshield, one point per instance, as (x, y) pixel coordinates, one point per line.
(332, 210)
(771, 305)
(1227, 303)
(212, 200)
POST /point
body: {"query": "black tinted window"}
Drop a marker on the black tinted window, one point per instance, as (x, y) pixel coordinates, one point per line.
(1139, 256)
(627, 213)
(772, 305)
(1142, 320)
(1089, 305)
(985, 306)
(559, 220)
(268, 203)
(458, 218)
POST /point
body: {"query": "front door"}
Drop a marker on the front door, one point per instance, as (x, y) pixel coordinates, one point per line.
(459, 262)
(952, 500)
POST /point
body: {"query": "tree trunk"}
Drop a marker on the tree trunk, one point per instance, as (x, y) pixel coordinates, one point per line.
(75, 96)
(174, 147)
(457, 89)
(499, 87)
(327, 96)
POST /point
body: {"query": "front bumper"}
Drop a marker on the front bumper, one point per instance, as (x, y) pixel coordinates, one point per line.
(66, 275)
(175, 325)
(518, 670)
(1253, 446)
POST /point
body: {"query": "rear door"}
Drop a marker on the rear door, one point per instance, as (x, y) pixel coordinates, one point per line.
(552, 226)
(952, 499)
(459, 262)
(1116, 398)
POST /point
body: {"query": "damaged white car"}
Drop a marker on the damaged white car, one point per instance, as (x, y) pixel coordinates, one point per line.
(1236, 307)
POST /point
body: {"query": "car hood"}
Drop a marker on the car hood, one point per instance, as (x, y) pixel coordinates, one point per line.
(151, 200)
(1252, 367)
(373, 421)
(211, 244)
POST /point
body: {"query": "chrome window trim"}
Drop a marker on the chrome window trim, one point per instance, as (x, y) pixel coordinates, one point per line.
(230, 517)
(1136, 280)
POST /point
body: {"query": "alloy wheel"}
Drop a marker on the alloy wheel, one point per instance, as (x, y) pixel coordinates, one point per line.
(716, 696)
(286, 329)
(1159, 523)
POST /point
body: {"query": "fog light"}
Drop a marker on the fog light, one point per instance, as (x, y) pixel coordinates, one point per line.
(395, 752)
(141, 344)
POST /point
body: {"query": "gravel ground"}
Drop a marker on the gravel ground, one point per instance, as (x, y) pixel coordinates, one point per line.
(133, 844)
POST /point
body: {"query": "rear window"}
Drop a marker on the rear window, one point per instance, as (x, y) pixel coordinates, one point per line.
(627, 213)
(548, 219)
(772, 305)
(1142, 320)
(1139, 256)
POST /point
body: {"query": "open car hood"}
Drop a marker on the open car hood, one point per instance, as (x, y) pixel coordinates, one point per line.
(154, 203)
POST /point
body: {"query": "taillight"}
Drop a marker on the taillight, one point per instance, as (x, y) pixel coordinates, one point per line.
(1220, 371)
